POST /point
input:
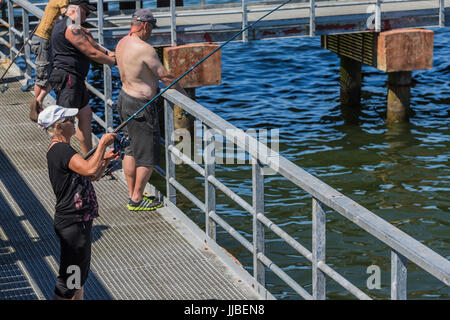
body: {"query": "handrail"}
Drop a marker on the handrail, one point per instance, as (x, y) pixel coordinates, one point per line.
(404, 248)
(31, 8)
(37, 12)
(396, 239)
(252, 7)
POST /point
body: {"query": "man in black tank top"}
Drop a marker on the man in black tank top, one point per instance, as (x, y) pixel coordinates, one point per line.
(73, 49)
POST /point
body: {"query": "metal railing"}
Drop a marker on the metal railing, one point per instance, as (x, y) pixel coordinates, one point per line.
(244, 8)
(28, 9)
(403, 247)
(310, 5)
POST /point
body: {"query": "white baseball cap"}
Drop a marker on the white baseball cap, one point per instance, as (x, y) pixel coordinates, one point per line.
(53, 113)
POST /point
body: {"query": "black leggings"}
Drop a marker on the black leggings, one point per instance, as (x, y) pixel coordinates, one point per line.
(75, 241)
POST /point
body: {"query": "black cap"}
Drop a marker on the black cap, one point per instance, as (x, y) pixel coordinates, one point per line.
(144, 15)
(84, 3)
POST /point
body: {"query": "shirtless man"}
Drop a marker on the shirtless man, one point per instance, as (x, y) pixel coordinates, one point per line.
(140, 70)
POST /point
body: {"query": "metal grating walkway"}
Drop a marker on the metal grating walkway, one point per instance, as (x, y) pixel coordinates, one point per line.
(134, 255)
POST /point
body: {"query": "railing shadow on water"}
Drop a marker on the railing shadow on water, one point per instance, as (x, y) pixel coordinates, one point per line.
(27, 256)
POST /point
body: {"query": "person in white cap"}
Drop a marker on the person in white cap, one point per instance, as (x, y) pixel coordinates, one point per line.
(76, 202)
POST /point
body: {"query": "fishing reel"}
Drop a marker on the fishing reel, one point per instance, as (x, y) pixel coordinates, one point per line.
(120, 143)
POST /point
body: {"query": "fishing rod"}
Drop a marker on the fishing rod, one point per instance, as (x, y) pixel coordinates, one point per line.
(87, 155)
(5, 86)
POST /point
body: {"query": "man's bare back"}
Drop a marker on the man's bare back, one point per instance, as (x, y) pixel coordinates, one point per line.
(139, 67)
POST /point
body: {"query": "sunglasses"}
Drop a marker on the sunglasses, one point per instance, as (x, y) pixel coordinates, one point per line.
(71, 119)
(152, 22)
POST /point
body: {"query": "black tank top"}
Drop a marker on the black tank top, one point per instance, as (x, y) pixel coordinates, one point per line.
(65, 55)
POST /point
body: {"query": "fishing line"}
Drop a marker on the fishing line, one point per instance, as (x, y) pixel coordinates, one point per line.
(87, 155)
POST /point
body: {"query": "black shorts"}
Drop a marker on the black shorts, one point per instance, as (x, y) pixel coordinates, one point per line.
(75, 261)
(142, 130)
(70, 89)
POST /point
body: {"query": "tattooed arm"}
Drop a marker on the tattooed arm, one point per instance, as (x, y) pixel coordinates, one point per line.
(96, 45)
(84, 42)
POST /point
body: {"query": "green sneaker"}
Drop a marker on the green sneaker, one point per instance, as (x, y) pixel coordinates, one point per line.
(144, 205)
(148, 198)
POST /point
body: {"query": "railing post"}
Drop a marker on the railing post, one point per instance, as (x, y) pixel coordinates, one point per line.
(210, 191)
(100, 21)
(12, 36)
(169, 139)
(107, 74)
(441, 13)
(398, 276)
(244, 20)
(378, 16)
(107, 85)
(318, 249)
(312, 17)
(258, 227)
(27, 50)
(173, 23)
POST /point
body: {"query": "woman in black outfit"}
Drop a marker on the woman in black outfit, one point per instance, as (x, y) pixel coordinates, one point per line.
(76, 202)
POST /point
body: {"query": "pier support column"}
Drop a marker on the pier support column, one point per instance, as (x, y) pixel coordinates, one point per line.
(350, 81)
(400, 52)
(399, 92)
(181, 118)
(178, 60)
(396, 52)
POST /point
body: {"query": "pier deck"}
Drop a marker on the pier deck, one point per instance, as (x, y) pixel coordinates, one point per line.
(217, 23)
(134, 255)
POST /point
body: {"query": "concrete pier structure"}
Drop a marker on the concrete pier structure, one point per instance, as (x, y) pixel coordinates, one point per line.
(398, 98)
(350, 81)
(397, 52)
(178, 60)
